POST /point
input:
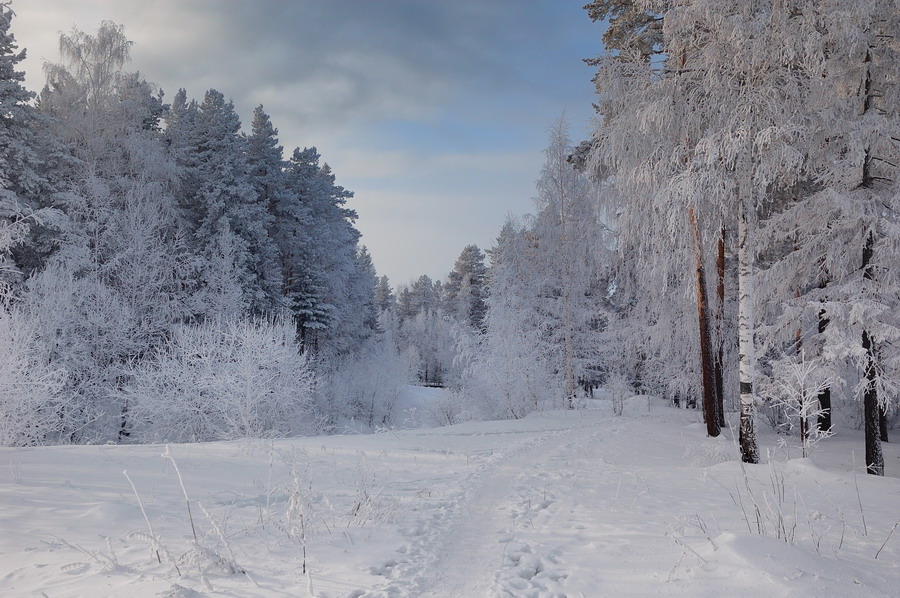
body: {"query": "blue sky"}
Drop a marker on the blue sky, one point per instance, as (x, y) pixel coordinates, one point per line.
(434, 113)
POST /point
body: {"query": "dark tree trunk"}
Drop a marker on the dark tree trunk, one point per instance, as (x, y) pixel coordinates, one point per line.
(720, 341)
(825, 406)
(872, 412)
(882, 424)
(824, 422)
(706, 361)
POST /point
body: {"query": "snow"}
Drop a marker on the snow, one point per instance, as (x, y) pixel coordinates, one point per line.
(558, 504)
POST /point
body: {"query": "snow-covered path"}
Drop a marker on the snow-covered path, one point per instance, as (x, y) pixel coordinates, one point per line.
(482, 540)
(558, 505)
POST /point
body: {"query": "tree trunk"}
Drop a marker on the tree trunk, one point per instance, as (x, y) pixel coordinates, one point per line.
(824, 422)
(720, 340)
(871, 410)
(874, 456)
(746, 350)
(706, 361)
(570, 355)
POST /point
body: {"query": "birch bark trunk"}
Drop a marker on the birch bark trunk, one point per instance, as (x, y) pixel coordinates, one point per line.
(746, 349)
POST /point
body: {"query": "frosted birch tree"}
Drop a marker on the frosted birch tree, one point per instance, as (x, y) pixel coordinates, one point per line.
(116, 271)
(567, 231)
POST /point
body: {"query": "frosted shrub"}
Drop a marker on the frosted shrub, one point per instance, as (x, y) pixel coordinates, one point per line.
(507, 379)
(365, 386)
(33, 406)
(223, 380)
(619, 389)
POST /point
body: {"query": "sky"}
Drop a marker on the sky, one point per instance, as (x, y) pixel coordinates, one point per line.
(434, 113)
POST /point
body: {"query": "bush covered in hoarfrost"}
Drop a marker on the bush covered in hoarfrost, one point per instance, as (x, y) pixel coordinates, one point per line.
(33, 408)
(222, 380)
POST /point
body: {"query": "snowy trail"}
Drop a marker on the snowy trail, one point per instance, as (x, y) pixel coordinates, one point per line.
(483, 554)
(468, 563)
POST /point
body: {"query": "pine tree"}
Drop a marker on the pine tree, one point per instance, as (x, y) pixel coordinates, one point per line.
(324, 260)
(226, 198)
(384, 296)
(266, 169)
(464, 292)
(21, 182)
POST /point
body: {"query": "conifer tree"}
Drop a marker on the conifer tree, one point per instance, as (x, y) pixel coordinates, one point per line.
(227, 199)
(21, 182)
(266, 169)
(464, 293)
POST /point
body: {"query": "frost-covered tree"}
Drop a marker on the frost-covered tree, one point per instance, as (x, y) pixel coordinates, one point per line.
(568, 234)
(357, 315)
(326, 258)
(117, 271)
(636, 149)
(508, 371)
(266, 169)
(632, 25)
(34, 404)
(225, 197)
(385, 300)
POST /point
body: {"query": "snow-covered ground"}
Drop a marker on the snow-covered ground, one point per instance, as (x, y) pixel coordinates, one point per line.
(559, 504)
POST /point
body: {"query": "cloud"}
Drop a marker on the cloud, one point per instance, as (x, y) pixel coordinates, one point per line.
(438, 108)
(360, 164)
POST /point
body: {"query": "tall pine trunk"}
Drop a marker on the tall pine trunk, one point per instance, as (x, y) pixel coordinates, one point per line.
(706, 361)
(720, 338)
(746, 350)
